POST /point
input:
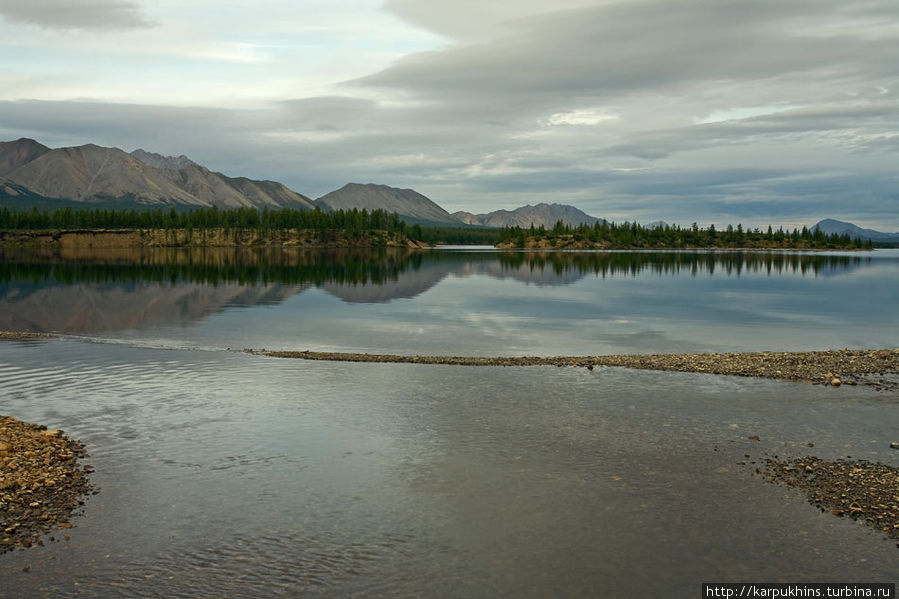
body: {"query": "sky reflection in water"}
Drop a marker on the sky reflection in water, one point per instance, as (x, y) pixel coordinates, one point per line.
(461, 302)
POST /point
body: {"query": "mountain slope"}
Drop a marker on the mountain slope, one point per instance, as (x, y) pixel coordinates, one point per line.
(831, 226)
(410, 205)
(92, 173)
(14, 154)
(543, 214)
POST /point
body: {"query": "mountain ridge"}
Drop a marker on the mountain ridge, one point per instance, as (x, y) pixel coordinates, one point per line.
(542, 214)
(92, 174)
(412, 206)
(830, 226)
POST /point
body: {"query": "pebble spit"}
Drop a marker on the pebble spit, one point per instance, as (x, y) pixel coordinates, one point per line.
(834, 367)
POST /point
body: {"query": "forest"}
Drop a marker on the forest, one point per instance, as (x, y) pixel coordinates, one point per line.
(609, 235)
(360, 223)
(353, 222)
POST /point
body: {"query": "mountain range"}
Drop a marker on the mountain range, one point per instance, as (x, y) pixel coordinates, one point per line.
(95, 174)
(34, 174)
(542, 214)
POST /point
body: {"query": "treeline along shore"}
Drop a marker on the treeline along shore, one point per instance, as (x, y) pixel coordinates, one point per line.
(212, 227)
(608, 235)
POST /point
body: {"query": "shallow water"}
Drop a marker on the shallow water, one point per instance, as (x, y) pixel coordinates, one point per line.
(223, 472)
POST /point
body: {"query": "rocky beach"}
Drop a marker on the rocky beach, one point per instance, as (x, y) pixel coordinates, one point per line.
(861, 490)
(41, 483)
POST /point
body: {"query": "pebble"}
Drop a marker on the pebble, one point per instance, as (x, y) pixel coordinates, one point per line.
(861, 490)
(41, 482)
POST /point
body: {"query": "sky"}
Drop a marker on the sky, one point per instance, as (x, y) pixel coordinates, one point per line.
(760, 112)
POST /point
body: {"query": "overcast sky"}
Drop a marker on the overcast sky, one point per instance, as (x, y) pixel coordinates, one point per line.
(718, 111)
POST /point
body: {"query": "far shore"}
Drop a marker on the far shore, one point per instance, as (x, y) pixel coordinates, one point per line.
(569, 243)
(98, 238)
(131, 238)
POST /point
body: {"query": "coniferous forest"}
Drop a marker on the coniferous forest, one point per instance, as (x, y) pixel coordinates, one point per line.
(360, 223)
(351, 221)
(610, 235)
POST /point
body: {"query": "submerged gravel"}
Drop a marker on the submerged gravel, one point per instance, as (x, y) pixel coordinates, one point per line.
(861, 490)
(41, 482)
(835, 367)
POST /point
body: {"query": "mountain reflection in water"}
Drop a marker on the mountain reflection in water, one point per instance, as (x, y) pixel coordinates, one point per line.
(86, 292)
(377, 267)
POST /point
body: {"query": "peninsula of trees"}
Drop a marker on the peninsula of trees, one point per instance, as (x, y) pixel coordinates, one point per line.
(608, 235)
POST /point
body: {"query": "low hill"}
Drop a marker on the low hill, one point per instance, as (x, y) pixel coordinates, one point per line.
(542, 214)
(410, 205)
(96, 174)
(831, 226)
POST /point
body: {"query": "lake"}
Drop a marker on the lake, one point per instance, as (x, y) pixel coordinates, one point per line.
(223, 472)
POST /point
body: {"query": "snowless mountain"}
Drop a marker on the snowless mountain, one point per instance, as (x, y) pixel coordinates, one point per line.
(831, 226)
(410, 205)
(96, 174)
(543, 214)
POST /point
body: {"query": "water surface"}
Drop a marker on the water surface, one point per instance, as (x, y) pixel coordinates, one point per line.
(227, 473)
(462, 302)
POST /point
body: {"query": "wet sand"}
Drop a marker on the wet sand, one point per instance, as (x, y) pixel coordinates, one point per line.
(835, 367)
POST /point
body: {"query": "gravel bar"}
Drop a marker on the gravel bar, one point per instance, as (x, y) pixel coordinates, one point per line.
(41, 483)
(835, 367)
(20, 336)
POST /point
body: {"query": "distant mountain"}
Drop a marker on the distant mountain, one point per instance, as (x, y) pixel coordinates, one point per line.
(541, 214)
(410, 205)
(164, 162)
(831, 226)
(468, 218)
(14, 154)
(96, 174)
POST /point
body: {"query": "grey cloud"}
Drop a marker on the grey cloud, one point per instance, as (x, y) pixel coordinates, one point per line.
(91, 15)
(650, 45)
(473, 19)
(820, 123)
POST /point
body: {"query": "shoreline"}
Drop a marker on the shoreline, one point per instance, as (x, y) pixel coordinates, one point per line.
(571, 245)
(864, 491)
(133, 238)
(219, 237)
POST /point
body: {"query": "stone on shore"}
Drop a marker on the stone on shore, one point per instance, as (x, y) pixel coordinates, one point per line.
(41, 483)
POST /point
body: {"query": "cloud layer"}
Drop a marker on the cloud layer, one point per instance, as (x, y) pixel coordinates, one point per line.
(91, 15)
(762, 112)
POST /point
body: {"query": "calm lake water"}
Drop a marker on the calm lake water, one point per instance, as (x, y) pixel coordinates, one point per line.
(224, 473)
